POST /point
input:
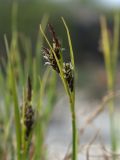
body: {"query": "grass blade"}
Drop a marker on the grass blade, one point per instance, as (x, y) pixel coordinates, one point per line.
(12, 86)
(70, 42)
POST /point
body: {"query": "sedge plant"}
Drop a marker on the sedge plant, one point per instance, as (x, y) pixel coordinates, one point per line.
(25, 124)
(24, 116)
(110, 47)
(54, 58)
(18, 136)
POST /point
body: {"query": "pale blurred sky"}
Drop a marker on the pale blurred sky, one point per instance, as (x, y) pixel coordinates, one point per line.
(109, 3)
(106, 3)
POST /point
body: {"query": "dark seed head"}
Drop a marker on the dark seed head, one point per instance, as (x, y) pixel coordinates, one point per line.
(50, 59)
(56, 42)
(48, 53)
(28, 119)
(68, 75)
(27, 111)
(29, 89)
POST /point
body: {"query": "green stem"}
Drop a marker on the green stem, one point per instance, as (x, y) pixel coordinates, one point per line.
(113, 133)
(74, 137)
(111, 56)
(13, 87)
(72, 98)
(23, 127)
(74, 128)
(17, 116)
(112, 127)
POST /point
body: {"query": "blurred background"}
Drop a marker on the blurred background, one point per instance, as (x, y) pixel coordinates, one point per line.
(83, 20)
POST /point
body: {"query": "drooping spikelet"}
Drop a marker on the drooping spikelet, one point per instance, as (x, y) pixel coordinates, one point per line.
(56, 43)
(68, 75)
(50, 59)
(49, 55)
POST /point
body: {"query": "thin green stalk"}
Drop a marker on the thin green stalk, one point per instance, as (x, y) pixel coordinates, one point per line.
(43, 83)
(106, 51)
(17, 115)
(108, 65)
(35, 75)
(14, 43)
(39, 128)
(37, 57)
(39, 43)
(110, 51)
(116, 40)
(51, 97)
(15, 101)
(71, 95)
(27, 65)
(74, 131)
(39, 133)
(23, 129)
(70, 42)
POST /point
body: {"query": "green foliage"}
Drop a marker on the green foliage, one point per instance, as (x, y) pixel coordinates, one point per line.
(110, 49)
(14, 72)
